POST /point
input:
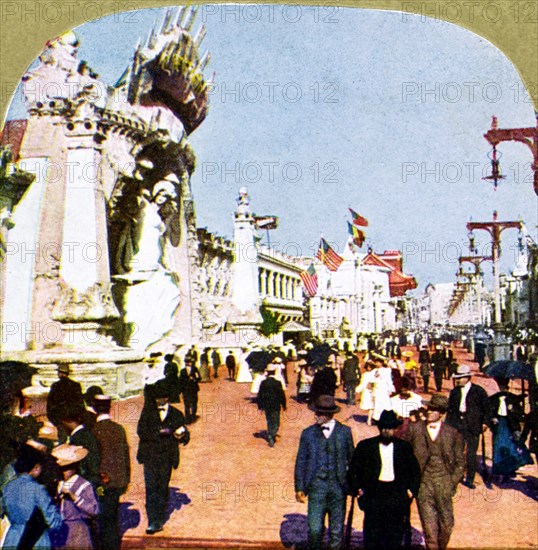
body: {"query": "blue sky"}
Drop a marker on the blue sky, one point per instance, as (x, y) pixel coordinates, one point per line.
(316, 109)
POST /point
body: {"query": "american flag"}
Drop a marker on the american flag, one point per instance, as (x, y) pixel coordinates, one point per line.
(310, 280)
(328, 256)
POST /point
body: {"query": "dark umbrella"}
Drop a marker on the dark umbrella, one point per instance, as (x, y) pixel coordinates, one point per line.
(509, 369)
(319, 355)
(257, 360)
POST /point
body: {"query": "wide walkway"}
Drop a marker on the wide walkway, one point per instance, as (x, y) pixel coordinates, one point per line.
(233, 490)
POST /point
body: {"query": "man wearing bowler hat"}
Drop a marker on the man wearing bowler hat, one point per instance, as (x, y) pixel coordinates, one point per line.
(439, 451)
(325, 451)
(385, 474)
(160, 429)
(469, 409)
(65, 394)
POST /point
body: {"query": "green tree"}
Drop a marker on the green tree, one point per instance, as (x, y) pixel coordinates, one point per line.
(270, 324)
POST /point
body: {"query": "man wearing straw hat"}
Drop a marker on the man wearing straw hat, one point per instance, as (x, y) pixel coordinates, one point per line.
(439, 451)
(469, 409)
(385, 474)
(325, 451)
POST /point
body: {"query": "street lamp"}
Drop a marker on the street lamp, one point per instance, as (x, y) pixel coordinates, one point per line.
(495, 228)
(528, 136)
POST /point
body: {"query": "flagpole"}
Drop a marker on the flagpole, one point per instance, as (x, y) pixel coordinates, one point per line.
(268, 239)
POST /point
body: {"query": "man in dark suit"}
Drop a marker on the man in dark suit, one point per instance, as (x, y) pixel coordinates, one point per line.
(160, 429)
(78, 434)
(439, 451)
(351, 376)
(114, 470)
(385, 474)
(189, 379)
(271, 398)
(216, 361)
(230, 365)
(469, 409)
(324, 383)
(325, 451)
(438, 367)
(64, 394)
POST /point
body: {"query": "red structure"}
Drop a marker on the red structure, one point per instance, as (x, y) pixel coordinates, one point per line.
(399, 283)
(528, 136)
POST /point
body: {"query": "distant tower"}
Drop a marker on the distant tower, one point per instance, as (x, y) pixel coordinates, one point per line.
(245, 295)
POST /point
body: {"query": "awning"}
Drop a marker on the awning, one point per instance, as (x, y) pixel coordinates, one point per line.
(294, 326)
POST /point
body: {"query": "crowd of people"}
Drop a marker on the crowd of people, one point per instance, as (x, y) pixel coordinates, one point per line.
(61, 481)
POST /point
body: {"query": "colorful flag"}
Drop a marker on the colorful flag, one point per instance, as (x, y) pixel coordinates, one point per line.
(358, 219)
(328, 256)
(357, 234)
(310, 280)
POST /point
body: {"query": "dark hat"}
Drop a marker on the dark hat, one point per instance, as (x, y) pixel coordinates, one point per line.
(438, 402)
(169, 357)
(160, 389)
(91, 392)
(103, 398)
(324, 404)
(388, 420)
(188, 360)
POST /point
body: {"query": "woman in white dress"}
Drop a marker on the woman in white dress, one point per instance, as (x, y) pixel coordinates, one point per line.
(383, 388)
(365, 389)
(243, 372)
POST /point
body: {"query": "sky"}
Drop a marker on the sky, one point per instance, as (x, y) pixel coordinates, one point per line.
(317, 109)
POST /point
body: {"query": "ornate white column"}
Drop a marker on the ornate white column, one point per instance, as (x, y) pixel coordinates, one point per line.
(245, 294)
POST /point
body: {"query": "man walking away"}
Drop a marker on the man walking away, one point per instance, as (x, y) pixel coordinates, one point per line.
(271, 399)
(230, 365)
(351, 376)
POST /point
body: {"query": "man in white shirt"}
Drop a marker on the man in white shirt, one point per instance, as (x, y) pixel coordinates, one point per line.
(439, 451)
(469, 409)
(385, 474)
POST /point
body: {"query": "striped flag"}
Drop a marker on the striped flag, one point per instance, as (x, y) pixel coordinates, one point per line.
(357, 234)
(328, 256)
(310, 280)
(358, 219)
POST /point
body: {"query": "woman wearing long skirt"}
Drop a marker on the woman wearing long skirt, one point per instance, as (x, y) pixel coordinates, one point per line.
(509, 453)
(365, 389)
(78, 502)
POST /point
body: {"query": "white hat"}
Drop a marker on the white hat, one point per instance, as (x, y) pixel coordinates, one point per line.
(463, 371)
(69, 454)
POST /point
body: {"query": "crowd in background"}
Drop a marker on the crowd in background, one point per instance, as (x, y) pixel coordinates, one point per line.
(76, 465)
